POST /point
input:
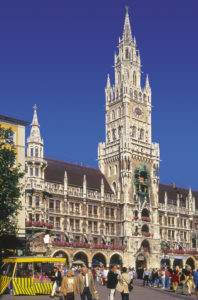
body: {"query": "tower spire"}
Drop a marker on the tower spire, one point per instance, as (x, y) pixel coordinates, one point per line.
(147, 85)
(108, 81)
(35, 135)
(127, 35)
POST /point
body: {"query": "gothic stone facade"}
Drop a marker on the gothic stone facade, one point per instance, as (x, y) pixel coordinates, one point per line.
(119, 213)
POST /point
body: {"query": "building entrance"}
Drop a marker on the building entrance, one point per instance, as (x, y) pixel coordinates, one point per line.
(141, 263)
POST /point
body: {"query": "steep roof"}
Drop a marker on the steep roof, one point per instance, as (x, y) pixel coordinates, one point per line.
(173, 191)
(55, 172)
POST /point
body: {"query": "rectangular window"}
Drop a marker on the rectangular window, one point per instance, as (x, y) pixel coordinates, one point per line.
(57, 222)
(169, 220)
(90, 226)
(77, 225)
(71, 222)
(71, 207)
(30, 201)
(95, 226)
(185, 235)
(36, 171)
(37, 218)
(173, 234)
(51, 220)
(160, 219)
(184, 222)
(95, 210)
(57, 205)
(107, 212)
(95, 240)
(112, 212)
(173, 221)
(32, 152)
(89, 209)
(77, 208)
(112, 228)
(169, 234)
(51, 203)
(37, 201)
(31, 171)
(107, 228)
(30, 217)
(112, 242)
(36, 152)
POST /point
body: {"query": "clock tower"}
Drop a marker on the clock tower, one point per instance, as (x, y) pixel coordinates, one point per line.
(128, 158)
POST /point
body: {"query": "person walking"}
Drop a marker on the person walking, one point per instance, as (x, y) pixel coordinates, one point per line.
(167, 278)
(182, 280)
(112, 280)
(56, 278)
(175, 280)
(69, 286)
(190, 283)
(85, 284)
(123, 282)
(196, 283)
(162, 275)
(146, 277)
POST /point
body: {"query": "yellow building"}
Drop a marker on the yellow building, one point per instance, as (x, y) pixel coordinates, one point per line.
(18, 129)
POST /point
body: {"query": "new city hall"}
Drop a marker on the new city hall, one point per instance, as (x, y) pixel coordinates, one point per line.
(119, 213)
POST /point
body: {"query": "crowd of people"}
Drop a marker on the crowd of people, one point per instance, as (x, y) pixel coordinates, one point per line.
(81, 280)
(166, 278)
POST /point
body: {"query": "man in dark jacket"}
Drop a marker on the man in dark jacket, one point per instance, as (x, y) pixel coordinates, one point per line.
(56, 278)
(112, 280)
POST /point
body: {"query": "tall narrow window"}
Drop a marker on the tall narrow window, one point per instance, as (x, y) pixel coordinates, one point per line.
(36, 171)
(127, 53)
(32, 152)
(31, 171)
(134, 78)
(36, 152)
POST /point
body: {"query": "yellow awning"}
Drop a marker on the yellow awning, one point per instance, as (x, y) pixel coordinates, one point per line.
(34, 259)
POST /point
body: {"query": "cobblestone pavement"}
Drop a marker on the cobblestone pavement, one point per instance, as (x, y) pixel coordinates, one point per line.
(139, 293)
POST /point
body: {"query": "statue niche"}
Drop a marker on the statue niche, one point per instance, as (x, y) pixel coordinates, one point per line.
(142, 183)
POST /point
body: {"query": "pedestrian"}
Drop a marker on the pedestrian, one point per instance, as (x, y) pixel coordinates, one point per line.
(196, 283)
(112, 280)
(182, 280)
(56, 278)
(162, 275)
(123, 282)
(167, 278)
(69, 286)
(155, 278)
(175, 280)
(146, 277)
(85, 284)
(131, 272)
(190, 283)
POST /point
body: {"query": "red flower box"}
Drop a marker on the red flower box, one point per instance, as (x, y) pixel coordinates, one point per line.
(147, 219)
(136, 233)
(136, 217)
(147, 234)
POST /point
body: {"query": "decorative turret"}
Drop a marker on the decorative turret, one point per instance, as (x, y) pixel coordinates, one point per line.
(34, 162)
(147, 84)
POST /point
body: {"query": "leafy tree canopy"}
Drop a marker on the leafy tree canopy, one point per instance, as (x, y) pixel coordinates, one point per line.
(10, 187)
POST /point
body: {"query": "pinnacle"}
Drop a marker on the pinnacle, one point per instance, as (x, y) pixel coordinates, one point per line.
(108, 81)
(127, 35)
(35, 118)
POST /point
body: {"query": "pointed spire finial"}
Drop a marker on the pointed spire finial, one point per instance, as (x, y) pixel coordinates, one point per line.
(35, 118)
(147, 85)
(35, 107)
(108, 81)
(127, 35)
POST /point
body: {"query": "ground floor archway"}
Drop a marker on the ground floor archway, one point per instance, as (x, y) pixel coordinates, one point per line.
(178, 263)
(141, 263)
(62, 254)
(165, 262)
(190, 262)
(116, 259)
(99, 260)
(81, 256)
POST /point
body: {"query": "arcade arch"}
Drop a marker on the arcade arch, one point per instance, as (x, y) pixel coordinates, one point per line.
(116, 259)
(81, 256)
(99, 259)
(62, 254)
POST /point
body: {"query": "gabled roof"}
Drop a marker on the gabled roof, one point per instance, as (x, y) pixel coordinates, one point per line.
(55, 172)
(173, 191)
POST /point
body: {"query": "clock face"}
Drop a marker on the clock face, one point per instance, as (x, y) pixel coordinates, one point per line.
(138, 111)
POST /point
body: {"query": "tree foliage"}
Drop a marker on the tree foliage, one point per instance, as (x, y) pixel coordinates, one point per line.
(10, 187)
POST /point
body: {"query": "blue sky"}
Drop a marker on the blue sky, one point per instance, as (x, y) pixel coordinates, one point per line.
(57, 54)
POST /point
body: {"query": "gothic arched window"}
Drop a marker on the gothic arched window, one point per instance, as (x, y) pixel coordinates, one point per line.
(114, 134)
(135, 95)
(126, 53)
(141, 134)
(36, 152)
(134, 78)
(133, 132)
(113, 115)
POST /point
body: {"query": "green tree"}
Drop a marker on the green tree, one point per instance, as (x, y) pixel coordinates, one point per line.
(10, 187)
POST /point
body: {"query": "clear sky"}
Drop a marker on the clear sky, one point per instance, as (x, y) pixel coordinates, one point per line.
(57, 54)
